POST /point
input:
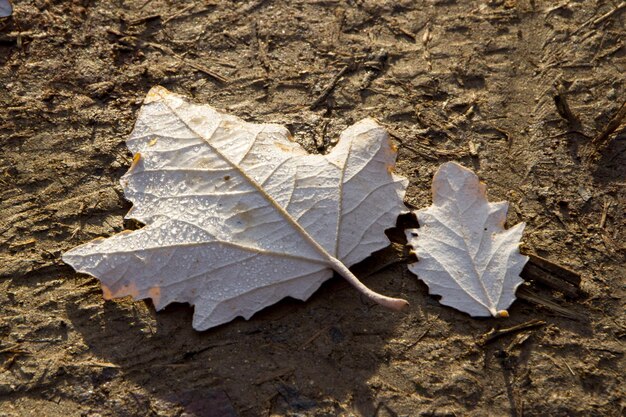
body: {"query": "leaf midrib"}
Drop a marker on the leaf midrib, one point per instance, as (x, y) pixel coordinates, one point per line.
(284, 213)
(467, 248)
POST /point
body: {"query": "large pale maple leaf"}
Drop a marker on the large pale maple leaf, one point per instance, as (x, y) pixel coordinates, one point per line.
(238, 216)
(464, 253)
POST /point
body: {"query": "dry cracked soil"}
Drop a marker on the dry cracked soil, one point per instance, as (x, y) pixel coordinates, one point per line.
(476, 82)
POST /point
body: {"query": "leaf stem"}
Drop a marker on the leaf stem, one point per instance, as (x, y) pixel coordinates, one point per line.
(396, 304)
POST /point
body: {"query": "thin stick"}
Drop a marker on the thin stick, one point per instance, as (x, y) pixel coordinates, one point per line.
(602, 18)
(534, 273)
(179, 13)
(142, 20)
(569, 368)
(494, 334)
(610, 13)
(605, 211)
(13, 349)
(602, 140)
(556, 270)
(526, 294)
(315, 336)
(421, 336)
(198, 67)
(329, 88)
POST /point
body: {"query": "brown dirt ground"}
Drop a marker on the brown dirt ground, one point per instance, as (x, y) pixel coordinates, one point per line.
(457, 75)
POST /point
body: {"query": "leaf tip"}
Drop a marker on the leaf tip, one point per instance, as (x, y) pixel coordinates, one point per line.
(396, 304)
(155, 294)
(156, 93)
(136, 159)
(502, 314)
(393, 146)
(107, 294)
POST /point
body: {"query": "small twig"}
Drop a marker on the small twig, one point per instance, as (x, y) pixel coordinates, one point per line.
(433, 153)
(421, 336)
(602, 140)
(426, 38)
(494, 334)
(273, 375)
(142, 20)
(569, 368)
(534, 273)
(330, 87)
(610, 13)
(602, 18)
(94, 364)
(145, 4)
(247, 8)
(261, 50)
(428, 152)
(205, 70)
(399, 29)
(192, 353)
(179, 13)
(605, 211)
(195, 66)
(526, 294)
(425, 152)
(570, 132)
(554, 269)
(315, 336)
(13, 349)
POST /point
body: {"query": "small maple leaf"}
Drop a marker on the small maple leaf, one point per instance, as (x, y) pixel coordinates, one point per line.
(238, 216)
(464, 253)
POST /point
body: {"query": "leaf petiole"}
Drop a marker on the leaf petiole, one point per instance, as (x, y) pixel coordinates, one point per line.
(396, 304)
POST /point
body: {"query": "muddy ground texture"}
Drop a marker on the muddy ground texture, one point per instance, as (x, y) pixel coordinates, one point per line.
(469, 81)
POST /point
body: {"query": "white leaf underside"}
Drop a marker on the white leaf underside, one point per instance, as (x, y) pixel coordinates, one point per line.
(238, 216)
(6, 9)
(464, 253)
